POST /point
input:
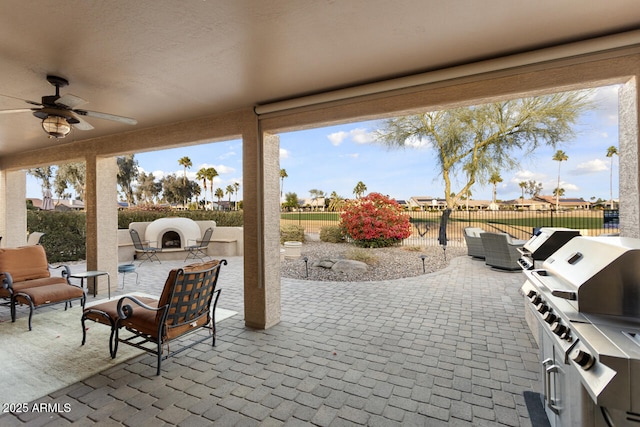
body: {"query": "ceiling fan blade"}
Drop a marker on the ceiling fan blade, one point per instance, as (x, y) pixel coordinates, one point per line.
(78, 123)
(106, 116)
(70, 101)
(23, 100)
(17, 110)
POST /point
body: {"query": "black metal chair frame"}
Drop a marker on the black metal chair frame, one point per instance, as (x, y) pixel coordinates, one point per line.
(198, 251)
(186, 306)
(14, 296)
(148, 253)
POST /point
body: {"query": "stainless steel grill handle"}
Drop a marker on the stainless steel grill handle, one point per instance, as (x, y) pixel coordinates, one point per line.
(551, 401)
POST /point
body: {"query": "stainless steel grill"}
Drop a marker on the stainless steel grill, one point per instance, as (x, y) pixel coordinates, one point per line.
(584, 307)
(544, 242)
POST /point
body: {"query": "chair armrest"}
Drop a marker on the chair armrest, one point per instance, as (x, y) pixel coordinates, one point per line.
(7, 280)
(126, 310)
(66, 272)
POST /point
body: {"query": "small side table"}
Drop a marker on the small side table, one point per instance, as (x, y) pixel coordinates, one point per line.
(94, 275)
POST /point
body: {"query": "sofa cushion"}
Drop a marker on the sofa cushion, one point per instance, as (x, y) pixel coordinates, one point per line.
(24, 263)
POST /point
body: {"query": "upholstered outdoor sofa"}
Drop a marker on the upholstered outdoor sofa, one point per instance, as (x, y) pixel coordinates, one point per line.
(501, 251)
(474, 243)
(26, 279)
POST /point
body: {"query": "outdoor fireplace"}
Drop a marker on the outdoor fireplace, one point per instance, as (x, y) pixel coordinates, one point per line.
(172, 232)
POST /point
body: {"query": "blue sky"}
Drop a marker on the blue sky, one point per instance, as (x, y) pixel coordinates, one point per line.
(335, 158)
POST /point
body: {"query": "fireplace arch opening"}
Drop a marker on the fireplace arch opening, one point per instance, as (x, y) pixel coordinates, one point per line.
(171, 240)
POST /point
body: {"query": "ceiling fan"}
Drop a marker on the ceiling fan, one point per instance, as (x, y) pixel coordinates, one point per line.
(60, 113)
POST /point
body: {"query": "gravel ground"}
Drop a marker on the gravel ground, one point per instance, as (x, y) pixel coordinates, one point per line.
(384, 264)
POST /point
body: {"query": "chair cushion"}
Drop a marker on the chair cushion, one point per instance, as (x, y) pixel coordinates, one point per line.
(143, 317)
(50, 294)
(34, 283)
(24, 263)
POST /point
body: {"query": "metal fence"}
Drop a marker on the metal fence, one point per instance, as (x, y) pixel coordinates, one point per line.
(425, 225)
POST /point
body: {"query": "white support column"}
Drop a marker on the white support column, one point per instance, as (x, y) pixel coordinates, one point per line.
(13, 212)
(102, 218)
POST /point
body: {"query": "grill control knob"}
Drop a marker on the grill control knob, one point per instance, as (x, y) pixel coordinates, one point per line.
(531, 294)
(559, 329)
(535, 299)
(542, 308)
(549, 317)
(583, 359)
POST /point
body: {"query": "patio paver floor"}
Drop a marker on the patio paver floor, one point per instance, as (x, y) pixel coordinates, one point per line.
(448, 348)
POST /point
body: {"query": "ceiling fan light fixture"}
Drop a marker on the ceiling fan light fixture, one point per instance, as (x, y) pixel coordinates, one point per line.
(56, 126)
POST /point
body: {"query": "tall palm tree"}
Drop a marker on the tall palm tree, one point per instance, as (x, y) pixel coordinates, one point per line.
(495, 179)
(560, 156)
(219, 195)
(186, 163)
(229, 190)
(283, 175)
(211, 173)
(611, 151)
(523, 185)
(202, 174)
(236, 186)
(359, 189)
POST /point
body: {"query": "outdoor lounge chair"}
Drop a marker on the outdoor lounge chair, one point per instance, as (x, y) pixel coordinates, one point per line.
(474, 243)
(187, 303)
(197, 251)
(501, 251)
(146, 252)
(34, 238)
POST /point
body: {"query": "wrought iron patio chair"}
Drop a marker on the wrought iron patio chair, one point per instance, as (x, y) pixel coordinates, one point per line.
(187, 303)
(197, 251)
(145, 252)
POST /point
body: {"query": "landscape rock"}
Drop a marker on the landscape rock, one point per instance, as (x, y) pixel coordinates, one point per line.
(348, 266)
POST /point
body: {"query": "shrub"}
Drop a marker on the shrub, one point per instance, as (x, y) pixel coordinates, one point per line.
(331, 234)
(362, 255)
(375, 221)
(291, 233)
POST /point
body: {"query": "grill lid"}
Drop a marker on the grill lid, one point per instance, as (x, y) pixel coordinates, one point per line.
(546, 241)
(601, 274)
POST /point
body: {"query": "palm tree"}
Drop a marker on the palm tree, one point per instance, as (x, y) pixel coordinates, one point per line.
(186, 163)
(236, 186)
(523, 185)
(560, 156)
(219, 195)
(495, 179)
(211, 173)
(558, 191)
(336, 202)
(230, 191)
(283, 175)
(202, 174)
(610, 153)
(359, 189)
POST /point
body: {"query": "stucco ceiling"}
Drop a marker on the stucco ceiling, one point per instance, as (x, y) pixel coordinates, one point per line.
(166, 61)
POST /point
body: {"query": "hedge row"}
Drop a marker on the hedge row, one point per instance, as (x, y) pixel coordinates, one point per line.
(64, 237)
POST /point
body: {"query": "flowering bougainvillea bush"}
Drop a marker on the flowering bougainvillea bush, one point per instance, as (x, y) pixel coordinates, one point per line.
(375, 221)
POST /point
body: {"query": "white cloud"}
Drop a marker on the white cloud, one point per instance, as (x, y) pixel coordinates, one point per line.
(284, 154)
(337, 138)
(417, 143)
(590, 167)
(358, 136)
(361, 136)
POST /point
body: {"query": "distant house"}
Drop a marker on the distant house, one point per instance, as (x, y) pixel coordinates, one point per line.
(60, 204)
(565, 203)
(527, 204)
(426, 202)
